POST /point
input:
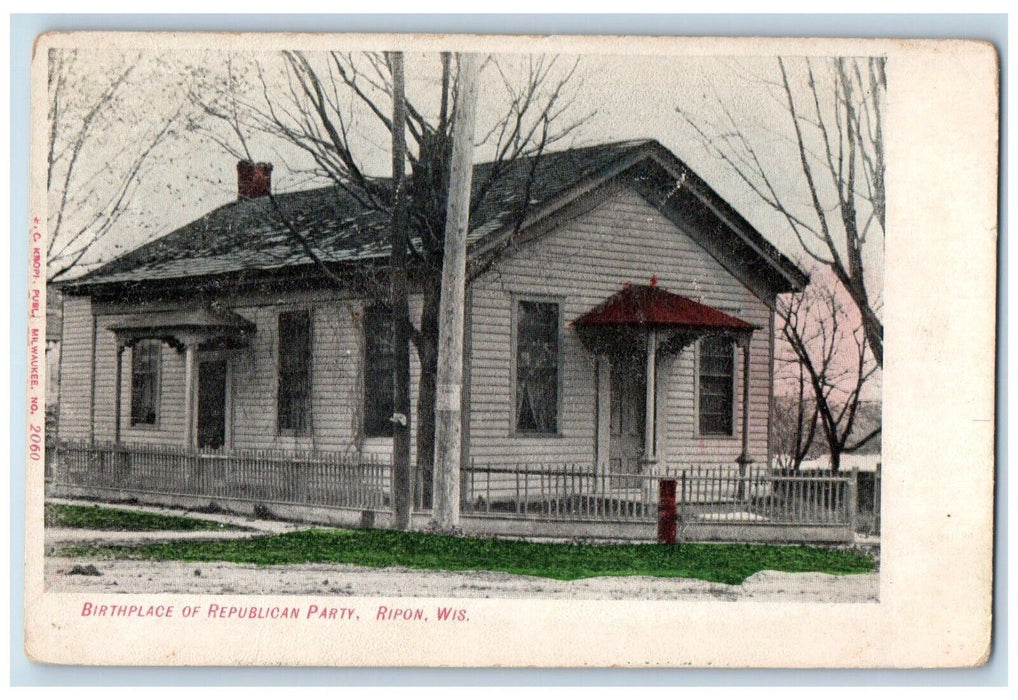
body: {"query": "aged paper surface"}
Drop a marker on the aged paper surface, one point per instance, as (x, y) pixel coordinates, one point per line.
(931, 595)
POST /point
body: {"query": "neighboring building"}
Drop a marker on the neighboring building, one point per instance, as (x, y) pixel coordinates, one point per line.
(627, 326)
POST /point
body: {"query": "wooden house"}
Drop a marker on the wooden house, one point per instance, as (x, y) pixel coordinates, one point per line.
(626, 324)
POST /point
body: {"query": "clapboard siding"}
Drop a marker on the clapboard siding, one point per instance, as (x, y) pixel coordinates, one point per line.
(337, 378)
(105, 379)
(76, 369)
(583, 262)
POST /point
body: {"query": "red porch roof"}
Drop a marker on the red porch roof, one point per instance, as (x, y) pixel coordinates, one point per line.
(643, 305)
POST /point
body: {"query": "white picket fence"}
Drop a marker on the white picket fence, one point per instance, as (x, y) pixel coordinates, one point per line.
(717, 495)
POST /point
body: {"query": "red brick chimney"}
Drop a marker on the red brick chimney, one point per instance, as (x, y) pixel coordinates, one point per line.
(253, 179)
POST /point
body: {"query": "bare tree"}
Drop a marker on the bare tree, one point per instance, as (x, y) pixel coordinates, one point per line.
(833, 353)
(795, 417)
(834, 119)
(93, 168)
(320, 109)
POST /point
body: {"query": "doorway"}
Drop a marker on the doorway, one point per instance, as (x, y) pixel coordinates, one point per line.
(628, 417)
(211, 428)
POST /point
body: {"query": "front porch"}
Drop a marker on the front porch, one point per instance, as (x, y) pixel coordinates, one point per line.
(716, 503)
(635, 335)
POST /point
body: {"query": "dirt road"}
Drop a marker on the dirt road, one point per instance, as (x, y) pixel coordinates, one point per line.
(121, 576)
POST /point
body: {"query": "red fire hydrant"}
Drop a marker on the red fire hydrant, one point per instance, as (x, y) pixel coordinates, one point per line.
(667, 515)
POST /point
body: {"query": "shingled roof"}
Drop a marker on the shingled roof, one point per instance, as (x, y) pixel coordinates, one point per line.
(249, 235)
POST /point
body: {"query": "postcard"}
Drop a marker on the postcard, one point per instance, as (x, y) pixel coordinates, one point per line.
(461, 350)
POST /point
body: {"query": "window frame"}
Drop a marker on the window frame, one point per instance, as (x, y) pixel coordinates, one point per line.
(365, 354)
(157, 381)
(731, 434)
(309, 427)
(559, 301)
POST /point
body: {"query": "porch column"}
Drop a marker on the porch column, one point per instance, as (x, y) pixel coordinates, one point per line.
(604, 412)
(745, 458)
(650, 423)
(189, 382)
(119, 390)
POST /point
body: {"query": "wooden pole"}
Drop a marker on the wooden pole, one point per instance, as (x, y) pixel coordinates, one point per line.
(402, 495)
(448, 400)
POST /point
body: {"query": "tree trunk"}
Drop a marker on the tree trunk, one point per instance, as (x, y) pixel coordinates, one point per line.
(874, 331)
(402, 489)
(427, 353)
(835, 461)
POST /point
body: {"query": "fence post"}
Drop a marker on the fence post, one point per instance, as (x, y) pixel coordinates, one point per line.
(666, 512)
(853, 499)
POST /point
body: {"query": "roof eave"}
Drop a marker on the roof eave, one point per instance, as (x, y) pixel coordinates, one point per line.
(796, 278)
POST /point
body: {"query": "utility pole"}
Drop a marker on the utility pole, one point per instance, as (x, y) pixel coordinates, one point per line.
(448, 399)
(402, 485)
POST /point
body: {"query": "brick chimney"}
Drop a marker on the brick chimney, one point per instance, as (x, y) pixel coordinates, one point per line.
(253, 179)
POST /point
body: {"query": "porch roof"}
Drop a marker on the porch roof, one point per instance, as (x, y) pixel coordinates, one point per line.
(184, 326)
(650, 305)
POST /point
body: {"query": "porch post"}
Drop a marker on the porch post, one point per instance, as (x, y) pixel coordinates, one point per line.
(745, 458)
(119, 390)
(604, 408)
(650, 421)
(189, 381)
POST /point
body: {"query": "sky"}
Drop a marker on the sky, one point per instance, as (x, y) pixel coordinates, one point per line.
(616, 97)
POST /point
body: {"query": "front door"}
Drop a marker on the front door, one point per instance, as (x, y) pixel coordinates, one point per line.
(211, 404)
(628, 413)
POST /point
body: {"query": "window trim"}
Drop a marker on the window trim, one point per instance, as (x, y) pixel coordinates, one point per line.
(310, 311)
(735, 394)
(364, 374)
(157, 399)
(558, 300)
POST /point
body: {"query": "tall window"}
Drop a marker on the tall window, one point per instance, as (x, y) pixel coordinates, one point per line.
(717, 386)
(537, 344)
(145, 382)
(294, 397)
(378, 370)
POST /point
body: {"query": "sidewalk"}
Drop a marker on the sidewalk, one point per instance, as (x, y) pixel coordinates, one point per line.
(236, 526)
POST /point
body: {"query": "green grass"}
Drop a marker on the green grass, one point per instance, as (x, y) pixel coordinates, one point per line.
(101, 518)
(724, 563)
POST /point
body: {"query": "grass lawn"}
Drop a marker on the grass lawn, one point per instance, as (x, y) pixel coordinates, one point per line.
(723, 563)
(100, 518)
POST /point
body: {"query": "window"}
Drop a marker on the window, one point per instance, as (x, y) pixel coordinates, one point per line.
(145, 382)
(717, 386)
(378, 369)
(294, 397)
(537, 344)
